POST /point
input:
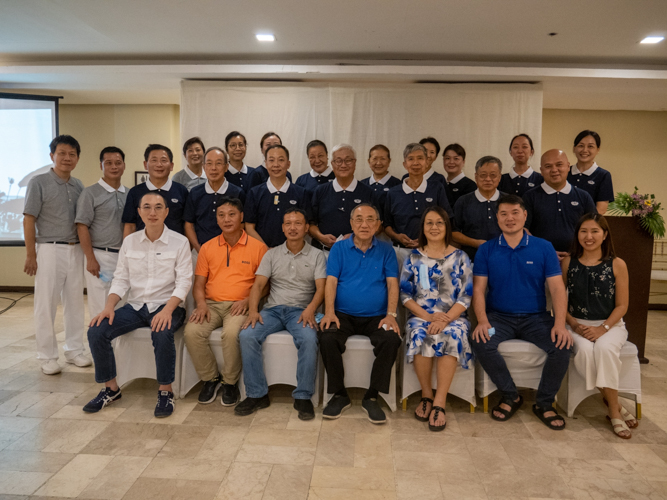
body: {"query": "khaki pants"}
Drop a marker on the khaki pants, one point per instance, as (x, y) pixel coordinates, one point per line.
(196, 340)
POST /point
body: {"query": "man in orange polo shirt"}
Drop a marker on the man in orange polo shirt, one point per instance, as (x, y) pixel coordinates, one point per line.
(224, 275)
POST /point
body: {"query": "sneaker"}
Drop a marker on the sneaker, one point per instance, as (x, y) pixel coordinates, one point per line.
(210, 390)
(251, 405)
(337, 405)
(80, 360)
(230, 394)
(373, 410)
(51, 367)
(104, 398)
(165, 404)
(305, 409)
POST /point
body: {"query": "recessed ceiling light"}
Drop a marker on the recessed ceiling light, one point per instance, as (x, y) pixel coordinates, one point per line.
(266, 37)
(653, 39)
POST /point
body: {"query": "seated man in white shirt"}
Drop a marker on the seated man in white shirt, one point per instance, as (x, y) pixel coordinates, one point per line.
(154, 264)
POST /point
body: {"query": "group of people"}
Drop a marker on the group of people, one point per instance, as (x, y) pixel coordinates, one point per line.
(267, 253)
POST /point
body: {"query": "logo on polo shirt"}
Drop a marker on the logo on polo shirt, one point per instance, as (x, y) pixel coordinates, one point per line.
(575, 203)
(591, 182)
(357, 201)
(429, 200)
(174, 200)
(529, 262)
(293, 202)
(455, 189)
(245, 262)
(531, 184)
(386, 189)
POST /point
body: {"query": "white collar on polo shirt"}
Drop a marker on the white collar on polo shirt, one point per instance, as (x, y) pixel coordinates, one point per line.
(192, 175)
(382, 181)
(407, 189)
(151, 186)
(576, 171)
(428, 174)
(457, 178)
(526, 174)
(108, 188)
(244, 169)
(164, 237)
(549, 190)
(283, 188)
(325, 173)
(480, 196)
(222, 190)
(349, 188)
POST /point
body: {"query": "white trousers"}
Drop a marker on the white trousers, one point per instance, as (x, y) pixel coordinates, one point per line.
(59, 278)
(599, 362)
(98, 289)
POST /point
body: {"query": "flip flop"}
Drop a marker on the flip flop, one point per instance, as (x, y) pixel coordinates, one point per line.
(437, 428)
(423, 402)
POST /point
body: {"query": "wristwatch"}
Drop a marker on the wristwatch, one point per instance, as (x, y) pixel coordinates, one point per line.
(606, 326)
(392, 314)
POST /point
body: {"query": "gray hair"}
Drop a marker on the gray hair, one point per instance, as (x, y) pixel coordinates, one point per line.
(411, 148)
(377, 212)
(488, 159)
(216, 148)
(338, 147)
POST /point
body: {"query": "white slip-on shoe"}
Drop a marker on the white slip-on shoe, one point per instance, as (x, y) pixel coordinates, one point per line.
(51, 367)
(81, 360)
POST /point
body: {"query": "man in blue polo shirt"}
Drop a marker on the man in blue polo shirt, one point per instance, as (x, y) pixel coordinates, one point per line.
(475, 213)
(406, 203)
(320, 171)
(555, 207)
(268, 202)
(333, 202)
(510, 303)
(159, 161)
(201, 223)
(360, 296)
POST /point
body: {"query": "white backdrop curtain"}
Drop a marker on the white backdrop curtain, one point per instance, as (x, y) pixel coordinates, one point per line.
(481, 117)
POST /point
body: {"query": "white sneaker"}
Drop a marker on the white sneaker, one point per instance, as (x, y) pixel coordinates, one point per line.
(51, 367)
(81, 361)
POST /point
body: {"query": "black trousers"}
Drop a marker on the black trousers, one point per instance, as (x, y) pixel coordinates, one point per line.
(385, 347)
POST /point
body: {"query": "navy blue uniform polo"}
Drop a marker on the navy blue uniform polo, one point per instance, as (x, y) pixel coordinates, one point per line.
(554, 215)
(310, 183)
(240, 179)
(267, 206)
(403, 210)
(381, 189)
(431, 176)
(176, 195)
(362, 277)
(330, 209)
(260, 175)
(520, 184)
(596, 182)
(202, 205)
(476, 217)
(516, 275)
(461, 187)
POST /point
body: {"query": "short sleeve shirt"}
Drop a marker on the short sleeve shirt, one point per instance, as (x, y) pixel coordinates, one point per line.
(176, 195)
(188, 178)
(458, 188)
(596, 181)
(511, 183)
(100, 208)
(476, 217)
(52, 201)
(260, 175)
(200, 209)
(312, 180)
(330, 209)
(381, 188)
(239, 178)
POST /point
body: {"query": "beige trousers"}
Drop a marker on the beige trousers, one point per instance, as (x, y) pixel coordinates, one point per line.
(196, 340)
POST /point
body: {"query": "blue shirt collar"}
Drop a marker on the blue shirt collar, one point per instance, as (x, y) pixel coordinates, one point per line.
(351, 244)
(523, 243)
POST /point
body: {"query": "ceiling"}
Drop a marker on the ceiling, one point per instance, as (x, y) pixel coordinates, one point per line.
(138, 51)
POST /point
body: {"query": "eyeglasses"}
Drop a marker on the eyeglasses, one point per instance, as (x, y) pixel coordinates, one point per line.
(483, 177)
(438, 223)
(236, 146)
(361, 220)
(157, 208)
(348, 161)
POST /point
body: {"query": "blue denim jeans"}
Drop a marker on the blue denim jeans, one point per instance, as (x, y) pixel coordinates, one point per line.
(276, 319)
(125, 321)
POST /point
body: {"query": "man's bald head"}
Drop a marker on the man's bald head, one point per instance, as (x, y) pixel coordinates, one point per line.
(552, 154)
(554, 167)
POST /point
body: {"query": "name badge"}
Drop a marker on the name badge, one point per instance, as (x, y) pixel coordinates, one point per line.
(591, 182)
(276, 199)
(575, 203)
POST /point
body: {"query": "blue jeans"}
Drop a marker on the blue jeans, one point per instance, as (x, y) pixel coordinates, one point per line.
(125, 321)
(533, 328)
(276, 319)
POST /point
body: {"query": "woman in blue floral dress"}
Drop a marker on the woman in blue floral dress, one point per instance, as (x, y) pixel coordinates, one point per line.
(436, 287)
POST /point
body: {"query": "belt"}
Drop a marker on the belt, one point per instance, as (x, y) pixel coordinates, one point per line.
(105, 249)
(62, 243)
(317, 244)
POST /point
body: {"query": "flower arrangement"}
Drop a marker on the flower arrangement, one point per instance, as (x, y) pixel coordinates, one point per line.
(642, 206)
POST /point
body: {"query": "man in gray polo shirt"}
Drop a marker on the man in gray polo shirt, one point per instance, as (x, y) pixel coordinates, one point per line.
(297, 272)
(54, 255)
(98, 214)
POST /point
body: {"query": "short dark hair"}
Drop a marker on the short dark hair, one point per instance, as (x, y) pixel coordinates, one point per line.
(315, 143)
(607, 247)
(228, 200)
(530, 141)
(233, 134)
(68, 140)
(488, 159)
(365, 204)
(296, 210)
(586, 133)
(266, 136)
(111, 150)
(158, 147)
(457, 148)
(155, 193)
(431, 140)
(190, 142)
(511, 199)
(276, 146)
(381, 147)
(448, 225)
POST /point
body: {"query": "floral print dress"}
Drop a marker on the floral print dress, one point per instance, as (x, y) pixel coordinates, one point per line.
(436, 285)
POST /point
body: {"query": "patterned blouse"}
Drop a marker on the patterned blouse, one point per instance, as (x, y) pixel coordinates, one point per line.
(591, 290)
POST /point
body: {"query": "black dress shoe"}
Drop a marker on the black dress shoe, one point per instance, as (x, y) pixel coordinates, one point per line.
(305, 409)
(210, 390)
(230, 394)
(251, 405)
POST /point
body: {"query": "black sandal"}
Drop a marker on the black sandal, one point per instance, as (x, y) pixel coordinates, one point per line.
(437, 428)
(423, 402)
(548, 420)
(514, 406)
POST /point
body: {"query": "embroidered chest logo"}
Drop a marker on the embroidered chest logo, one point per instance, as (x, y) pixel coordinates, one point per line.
(357, 201)
(429, 200)
(529, 262)
(531, 184)
(245, 262)
(455, 189)
(591, 182)
(575, 203)
(292, 202)
(386, 189)
(174, 200)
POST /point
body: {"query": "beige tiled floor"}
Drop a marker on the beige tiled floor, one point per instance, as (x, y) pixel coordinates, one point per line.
(50, 448)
